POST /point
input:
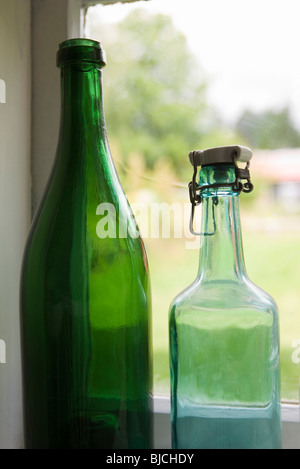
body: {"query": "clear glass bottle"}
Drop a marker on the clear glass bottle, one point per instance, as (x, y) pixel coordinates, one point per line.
(85, 293)
(224, 340)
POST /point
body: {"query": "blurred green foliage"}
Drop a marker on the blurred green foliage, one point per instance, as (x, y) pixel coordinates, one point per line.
(155, 92)
(269, 129)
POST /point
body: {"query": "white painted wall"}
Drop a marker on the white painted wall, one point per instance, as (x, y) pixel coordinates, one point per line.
(53, 21)
(15, 130)
(49, 28)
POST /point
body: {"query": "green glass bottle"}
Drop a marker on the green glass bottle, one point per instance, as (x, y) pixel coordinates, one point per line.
(85, 291)
(224, 344)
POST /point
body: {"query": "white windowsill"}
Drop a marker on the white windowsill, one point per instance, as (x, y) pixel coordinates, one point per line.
(161, 405)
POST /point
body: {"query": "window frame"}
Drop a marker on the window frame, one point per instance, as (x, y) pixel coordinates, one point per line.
(161, 404)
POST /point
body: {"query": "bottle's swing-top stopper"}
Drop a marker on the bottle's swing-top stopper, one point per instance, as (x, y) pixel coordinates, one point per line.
(226, 154)
(230, 154)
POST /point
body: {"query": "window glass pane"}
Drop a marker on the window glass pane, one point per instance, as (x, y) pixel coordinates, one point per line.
(183, 75)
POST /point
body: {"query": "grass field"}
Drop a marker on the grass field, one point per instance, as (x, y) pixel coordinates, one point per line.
(272, 255)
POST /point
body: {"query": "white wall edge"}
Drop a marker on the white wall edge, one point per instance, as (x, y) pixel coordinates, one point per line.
(75, 18)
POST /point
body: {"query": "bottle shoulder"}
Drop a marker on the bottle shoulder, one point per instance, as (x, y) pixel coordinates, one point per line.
(86, 223)
(240, 294)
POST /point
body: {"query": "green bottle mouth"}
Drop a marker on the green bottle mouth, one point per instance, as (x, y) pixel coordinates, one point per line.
(80, 50)
(221, 173)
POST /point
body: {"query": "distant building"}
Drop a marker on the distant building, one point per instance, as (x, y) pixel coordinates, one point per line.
(281, 169)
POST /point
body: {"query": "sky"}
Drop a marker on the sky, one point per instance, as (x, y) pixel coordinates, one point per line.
(249, 49)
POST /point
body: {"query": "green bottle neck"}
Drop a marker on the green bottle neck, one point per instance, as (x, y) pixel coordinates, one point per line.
(221, 254)
(83, 143)
(81, 101)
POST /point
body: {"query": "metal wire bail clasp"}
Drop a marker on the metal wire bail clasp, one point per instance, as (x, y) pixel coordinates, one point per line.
(195, 197)
(242, 173)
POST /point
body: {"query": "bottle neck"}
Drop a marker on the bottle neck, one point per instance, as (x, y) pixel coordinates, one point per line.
(82, 116)
(221, 254)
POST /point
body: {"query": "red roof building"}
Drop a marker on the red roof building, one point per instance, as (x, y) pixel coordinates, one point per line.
(277, 166)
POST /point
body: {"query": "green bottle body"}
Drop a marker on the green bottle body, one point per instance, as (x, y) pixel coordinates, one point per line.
(224, 340)
(85, 293)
